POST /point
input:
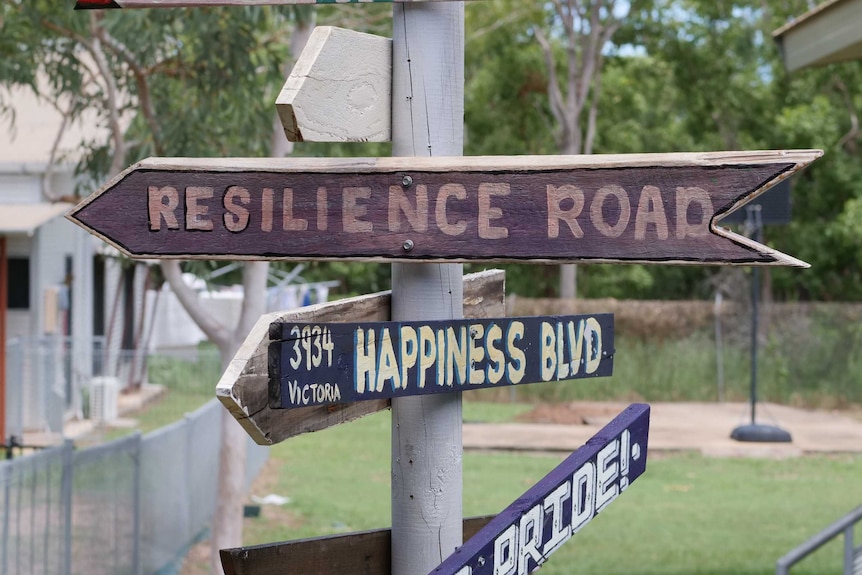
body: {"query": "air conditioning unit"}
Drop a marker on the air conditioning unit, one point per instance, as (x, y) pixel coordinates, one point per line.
(104, 396)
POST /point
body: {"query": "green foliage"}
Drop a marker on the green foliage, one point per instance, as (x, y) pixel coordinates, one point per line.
(680, 75)
(682, 516)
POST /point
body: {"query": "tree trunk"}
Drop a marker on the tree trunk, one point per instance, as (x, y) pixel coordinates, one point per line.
(227, 523)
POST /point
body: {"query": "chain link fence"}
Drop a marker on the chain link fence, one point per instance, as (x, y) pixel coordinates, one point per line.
(133, 506)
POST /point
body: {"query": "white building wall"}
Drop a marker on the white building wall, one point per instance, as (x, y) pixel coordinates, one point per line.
(54, 242)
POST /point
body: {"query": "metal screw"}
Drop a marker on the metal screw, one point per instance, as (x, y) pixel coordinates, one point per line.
(406, 181)
(407, 245)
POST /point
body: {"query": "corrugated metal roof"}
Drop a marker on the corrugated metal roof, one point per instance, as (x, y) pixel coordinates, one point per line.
(26, 218)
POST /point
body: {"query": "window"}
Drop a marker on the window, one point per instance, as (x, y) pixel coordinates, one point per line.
(18, 283)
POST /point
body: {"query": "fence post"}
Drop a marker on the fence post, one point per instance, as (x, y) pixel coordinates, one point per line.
(66, 503)
(6, 479)
(137, 565)
(848, 550)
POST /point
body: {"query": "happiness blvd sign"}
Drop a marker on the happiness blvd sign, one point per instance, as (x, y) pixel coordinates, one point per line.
(317, 364)
(646, 208)
(521, 538)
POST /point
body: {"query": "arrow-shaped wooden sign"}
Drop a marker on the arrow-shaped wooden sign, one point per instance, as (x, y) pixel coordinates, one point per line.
(650, 208)
(320, 364)
(102, 4)
(340, 89)
(244, 387)
(522, 537)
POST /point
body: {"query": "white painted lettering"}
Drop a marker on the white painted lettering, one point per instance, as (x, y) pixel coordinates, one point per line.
(365, 376)
(607, 471)
(476, 353)
(196, 214)
(496, 359)
(650, 211)
(623, 211)
(488, 213)
(685, 197)
(409, 354)
(158, 209)
(399, 203)
(353, 211)
(556, 212)
(387, 365)
(441, 209)
(517, 365)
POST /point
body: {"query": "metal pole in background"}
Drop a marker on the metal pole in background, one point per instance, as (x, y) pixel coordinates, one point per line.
(427, 120)
(4, 303)
(755, 222)
(754, 431)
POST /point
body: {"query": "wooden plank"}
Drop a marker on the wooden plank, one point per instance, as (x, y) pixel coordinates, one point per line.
(651, 208)
(366, 552)
(827, 33)
(244, 387)
(103, 4)
(321, 364)
(340, 89)
(537, 524)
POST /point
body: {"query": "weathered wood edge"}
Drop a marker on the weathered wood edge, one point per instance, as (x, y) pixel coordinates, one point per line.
(473, 163)
(376, 54)
(244, 387)
(366, 552)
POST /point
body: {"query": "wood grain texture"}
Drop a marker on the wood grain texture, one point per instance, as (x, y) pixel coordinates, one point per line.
(321, 364)
(244, 387)
(652, 208)
(525, 534)
(363, 553)
(340, 89)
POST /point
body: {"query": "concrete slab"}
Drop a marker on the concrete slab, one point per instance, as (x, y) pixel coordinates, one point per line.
(700, 427)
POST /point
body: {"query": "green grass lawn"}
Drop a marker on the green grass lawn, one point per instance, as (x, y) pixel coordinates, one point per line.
(687, 514)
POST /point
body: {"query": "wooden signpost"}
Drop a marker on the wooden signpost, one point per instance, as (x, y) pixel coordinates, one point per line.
(340, 89)
(320, 364)
(521, 538)
(306, 372)
(364, 552)
(244, 387)
(651, 208)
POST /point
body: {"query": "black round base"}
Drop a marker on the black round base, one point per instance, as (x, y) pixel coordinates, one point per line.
(757, 432)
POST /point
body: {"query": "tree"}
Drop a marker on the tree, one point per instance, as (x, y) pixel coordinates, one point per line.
(197, 82)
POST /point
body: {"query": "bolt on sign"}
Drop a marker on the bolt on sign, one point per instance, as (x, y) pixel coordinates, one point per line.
(522, 537)
(319, 364)
(652, 208)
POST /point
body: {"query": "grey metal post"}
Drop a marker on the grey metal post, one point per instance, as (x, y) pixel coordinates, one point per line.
(427, 120)
(849, 551)
(66, 503)
(137, 564)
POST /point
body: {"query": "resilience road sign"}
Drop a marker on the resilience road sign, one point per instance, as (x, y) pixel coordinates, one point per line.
(654, 208)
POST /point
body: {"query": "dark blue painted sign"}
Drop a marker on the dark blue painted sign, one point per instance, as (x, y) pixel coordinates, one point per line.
(522, 537)
(318, 364)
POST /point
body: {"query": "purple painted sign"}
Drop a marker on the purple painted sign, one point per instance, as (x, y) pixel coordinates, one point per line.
(319, 364)
(521, 538)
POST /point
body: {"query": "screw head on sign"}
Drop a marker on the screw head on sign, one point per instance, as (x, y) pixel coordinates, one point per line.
(407, 245)
(406, 181)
